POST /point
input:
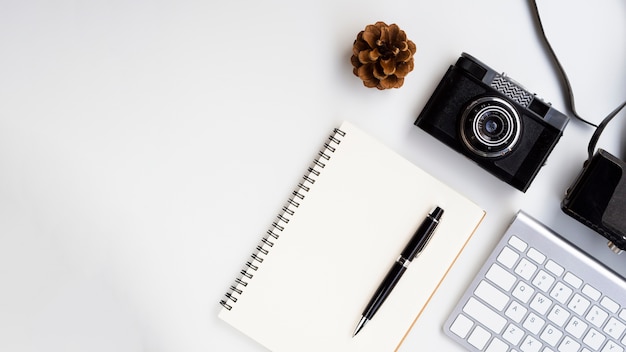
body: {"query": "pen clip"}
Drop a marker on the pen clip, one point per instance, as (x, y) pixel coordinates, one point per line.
(435, 216)
(422, 235)
(424, 243)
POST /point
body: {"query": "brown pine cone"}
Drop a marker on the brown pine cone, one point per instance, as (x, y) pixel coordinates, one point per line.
(382, 56)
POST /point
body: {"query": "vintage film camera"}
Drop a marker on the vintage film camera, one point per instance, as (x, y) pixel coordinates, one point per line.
(492, 120)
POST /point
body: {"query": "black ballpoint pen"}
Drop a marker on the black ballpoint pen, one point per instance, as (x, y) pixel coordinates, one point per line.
(413, 248)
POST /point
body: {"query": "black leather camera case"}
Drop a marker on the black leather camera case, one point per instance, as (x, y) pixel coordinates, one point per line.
(598, 197)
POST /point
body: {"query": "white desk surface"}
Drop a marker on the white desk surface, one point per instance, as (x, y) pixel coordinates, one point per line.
(145, 146)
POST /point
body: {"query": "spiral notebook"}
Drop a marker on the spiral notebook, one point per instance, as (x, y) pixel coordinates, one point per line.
(313, 272)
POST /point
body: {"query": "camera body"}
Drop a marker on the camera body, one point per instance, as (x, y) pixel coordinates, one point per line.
(598, 198)
(492, 120)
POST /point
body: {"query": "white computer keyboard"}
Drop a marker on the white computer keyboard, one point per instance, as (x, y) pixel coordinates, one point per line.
(538, 293)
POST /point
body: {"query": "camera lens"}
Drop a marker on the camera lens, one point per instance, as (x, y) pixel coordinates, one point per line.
(490, 127)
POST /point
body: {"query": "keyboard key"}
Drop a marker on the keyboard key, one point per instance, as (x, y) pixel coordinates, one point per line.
(594, 339)
(551, 335)
(561, 292)
(614, 328)
(578, 304)
(554, 268)
(461, 326)
(500, 277)
(610, 305)
(497, 345)
(479, 337)
(612, 347)
(516, 312)
(573, 280)
(484, 315)
(622, 314)
(576, 327)
(543, 281)
(508, 257)
(525, 269)
(517, 243)
(569, 345)
(533, 323)
(536, 256)
(591, 292)
(523, 291)
(558, 315)
(513, 334)
(491, 295)
(596, 316)
(530, 344)
(540, 303)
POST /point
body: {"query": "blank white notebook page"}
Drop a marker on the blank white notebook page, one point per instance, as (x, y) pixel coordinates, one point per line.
(313, 283)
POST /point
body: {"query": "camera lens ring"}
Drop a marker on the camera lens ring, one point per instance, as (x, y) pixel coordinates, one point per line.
(490, 127)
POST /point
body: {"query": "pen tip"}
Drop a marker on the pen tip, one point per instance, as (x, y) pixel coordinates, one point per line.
(360, 325)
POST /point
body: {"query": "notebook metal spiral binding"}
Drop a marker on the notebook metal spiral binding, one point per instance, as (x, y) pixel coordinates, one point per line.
(282, 219)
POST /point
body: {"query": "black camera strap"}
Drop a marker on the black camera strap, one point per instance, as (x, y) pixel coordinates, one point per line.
(596, 135)
(568, 88)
